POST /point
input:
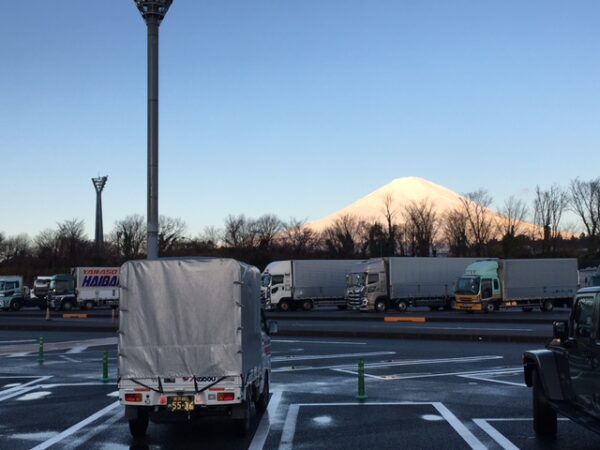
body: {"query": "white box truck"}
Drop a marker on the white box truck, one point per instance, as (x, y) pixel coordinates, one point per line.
(526, 283)
(193, 341)
(97, 286)
(401, 282)
(305, 283)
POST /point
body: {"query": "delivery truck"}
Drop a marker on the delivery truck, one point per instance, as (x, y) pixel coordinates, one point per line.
(305, 283)
(355, 283)
(85, 287)
(97, 286)
(400, 282)
(526, 283)
(193, 342)
(13, 295)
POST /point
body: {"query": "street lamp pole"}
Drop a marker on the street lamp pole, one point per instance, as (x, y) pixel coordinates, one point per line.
(153, 12)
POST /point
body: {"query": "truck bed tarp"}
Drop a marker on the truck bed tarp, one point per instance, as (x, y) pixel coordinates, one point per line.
(189, 317)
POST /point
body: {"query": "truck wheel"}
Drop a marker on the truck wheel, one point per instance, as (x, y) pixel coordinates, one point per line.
(15, 305)
(89, 305)
(547, 306)
(139, 425)
(544, 417)
(381, 306)
(67, 305)
(263, 399)
(489, 307)
(242, 425)
(402, 306)
(284, 305)
(307, 305)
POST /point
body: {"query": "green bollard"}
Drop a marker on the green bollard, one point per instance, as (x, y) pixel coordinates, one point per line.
(40, 357)
(361, 381)
(105, 367)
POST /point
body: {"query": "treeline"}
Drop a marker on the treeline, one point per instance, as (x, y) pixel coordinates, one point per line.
(516, 230)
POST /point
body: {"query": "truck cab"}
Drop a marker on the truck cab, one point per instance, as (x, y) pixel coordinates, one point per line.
(479, 288)
(355, 288)
(376, 295)
(13, 294)
(565, 376)
(276, 286)
(61, 292)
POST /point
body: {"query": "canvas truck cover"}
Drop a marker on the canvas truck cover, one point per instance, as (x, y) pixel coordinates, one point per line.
(539, 278)
(189, 317)
(321, 278)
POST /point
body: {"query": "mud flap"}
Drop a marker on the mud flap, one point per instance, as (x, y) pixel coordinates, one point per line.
(131, 412)
(239, 411)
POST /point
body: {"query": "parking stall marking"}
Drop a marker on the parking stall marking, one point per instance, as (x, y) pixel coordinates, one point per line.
(22, 388)
(498, 437)
(264, 427)
(289, 428)
(335, 356)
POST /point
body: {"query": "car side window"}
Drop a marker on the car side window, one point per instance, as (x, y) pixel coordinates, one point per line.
(583, 322)
(276, 279)
(372, 278)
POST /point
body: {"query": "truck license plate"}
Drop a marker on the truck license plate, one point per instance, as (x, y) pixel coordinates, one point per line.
(180, 403)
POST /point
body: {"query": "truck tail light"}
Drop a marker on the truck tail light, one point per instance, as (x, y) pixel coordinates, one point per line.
(225, 396)
(133, 397)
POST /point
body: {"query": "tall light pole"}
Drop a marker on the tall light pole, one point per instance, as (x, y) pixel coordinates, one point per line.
(153, 12)
(99, 239)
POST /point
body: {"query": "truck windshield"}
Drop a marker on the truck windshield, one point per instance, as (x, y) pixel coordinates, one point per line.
(265, 280)
(355, 279)
(594, 280)
(61, 285)
(6, 285)
(467, 285)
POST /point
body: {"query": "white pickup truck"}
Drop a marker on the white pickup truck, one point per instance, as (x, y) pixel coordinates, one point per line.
(193, 341)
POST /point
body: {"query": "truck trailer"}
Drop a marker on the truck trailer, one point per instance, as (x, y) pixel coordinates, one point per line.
(526, 283)
(85, 287)
(193, 342)
(305, 283)
(401, 282)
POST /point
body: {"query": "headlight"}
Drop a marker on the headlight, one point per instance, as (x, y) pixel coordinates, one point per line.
(1, 294)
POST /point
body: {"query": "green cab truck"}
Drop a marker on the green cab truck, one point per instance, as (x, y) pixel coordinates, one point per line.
(527, 283)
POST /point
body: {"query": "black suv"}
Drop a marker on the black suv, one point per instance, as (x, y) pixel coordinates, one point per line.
(566, 375)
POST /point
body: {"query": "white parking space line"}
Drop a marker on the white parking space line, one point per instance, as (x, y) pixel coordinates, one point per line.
(66, 358)
(22, 388)
(78, 426)
(264, 427)
(95, 430)
(339, 355)
(489, 376)
(498, 437)
(427, 375)
(21, 341)
(289, 428)
(53, 346)
(293, 341)
(77, 349)
(19, 355)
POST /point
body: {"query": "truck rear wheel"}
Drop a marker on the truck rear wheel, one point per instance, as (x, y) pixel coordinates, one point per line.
(139, 425)
(547, 305)
(67, 305)
(263, 399)
(402, 306)
(242, 425)
(89, 305)
(544, 417)
(307, 305)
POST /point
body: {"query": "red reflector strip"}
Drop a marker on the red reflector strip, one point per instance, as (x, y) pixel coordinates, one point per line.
(225, 396)
(133, 397)
(217, 389)
(142, 390)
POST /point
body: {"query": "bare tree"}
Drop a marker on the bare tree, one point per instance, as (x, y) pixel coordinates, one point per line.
(211, 236)
(421, 224)
(15, 247)
(267, 227)
(46, 247)
(72, 242)
(344, 236)
(240, 232)
(297, 236)
(480, 224)
(129, 237)
(511, 223)
(549, 206)
(390, 214)
(171, 233)
(454, 231)
(585, 201)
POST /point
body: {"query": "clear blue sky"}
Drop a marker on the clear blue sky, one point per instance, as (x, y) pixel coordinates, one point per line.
(296, 108)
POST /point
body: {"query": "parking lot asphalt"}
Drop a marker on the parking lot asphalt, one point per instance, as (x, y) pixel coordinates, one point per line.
(420, 395)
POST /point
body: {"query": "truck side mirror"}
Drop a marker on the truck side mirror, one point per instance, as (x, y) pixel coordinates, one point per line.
(560, 330)
(273, 329)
